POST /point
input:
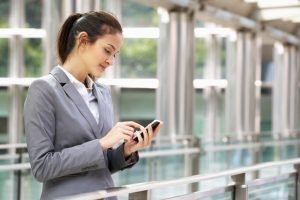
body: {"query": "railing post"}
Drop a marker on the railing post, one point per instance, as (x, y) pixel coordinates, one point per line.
(194, 164)
(297, 181)
(142, 195)
(241, 189)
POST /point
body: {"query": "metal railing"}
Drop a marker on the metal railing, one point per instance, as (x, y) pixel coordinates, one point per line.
(239, 187)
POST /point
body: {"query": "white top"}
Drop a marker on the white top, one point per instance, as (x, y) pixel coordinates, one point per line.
(86, 93)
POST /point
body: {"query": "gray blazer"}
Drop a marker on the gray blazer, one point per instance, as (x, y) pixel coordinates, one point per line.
(63, 138)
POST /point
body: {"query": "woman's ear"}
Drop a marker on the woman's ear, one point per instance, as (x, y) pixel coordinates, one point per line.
(82, 39)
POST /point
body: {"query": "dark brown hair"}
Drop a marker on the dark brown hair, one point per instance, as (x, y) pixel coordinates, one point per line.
(95, 24)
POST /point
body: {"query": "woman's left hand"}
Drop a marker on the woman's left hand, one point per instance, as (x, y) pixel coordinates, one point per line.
(133, 146)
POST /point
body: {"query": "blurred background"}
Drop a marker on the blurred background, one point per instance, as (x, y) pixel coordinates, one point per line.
(223, 75)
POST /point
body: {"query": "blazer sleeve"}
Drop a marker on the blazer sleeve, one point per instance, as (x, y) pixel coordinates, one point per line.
(116, 158)
(39, 122)
(117, 161)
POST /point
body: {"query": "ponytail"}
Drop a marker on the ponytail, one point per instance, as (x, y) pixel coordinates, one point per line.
(65, 39)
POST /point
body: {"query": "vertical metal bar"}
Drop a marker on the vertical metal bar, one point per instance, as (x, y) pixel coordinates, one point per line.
(241, 189)
(297, 182)
(212, 94)
(195, 164)
(230, 101)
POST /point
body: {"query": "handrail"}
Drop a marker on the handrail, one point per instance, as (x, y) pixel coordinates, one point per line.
(210, 147)
(160, 153)
(140, 187)
(14, 167)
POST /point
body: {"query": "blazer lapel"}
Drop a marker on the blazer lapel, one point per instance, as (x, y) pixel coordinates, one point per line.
(71, 91)
(99, 98)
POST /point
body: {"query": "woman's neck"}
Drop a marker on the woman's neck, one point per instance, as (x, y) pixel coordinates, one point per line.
(76, 70)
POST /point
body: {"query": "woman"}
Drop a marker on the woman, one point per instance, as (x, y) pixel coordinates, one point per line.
(68, 117)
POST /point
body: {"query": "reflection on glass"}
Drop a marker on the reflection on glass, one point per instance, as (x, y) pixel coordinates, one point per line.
(4, 114)
(33, 12)
(4, 14)
(33, 53)
(138, 15)
(137, 105)
(138, 58)
(275, 190)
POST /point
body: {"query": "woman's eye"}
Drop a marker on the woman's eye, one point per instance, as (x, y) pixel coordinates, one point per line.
(107, 51)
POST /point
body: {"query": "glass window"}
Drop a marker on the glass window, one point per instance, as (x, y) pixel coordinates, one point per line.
(199, 57)
(198, 114)
(138, 58)
(267, 66)
(4, 13)
(33, 13)
(4, 115)
(137, 105)
(138, 15)
(33, 54)
(4, 59)
(266, 109)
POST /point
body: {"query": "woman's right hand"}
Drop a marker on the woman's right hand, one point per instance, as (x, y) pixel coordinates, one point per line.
(121, 131)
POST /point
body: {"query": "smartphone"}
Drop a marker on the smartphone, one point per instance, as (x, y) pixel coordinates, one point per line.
(154, 125)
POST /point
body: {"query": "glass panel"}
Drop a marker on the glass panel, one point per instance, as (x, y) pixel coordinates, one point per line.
(33, 53)
(276, 190)
(33, 12)
(9, 182)
(4, 14)
(138, 58)
(30, 188)
(138, 15)
(4, 115)
(137, 105)
(267, 66)
(148, 169)
(199, 57)
(225, 196)
(4, 59)
(7, 189)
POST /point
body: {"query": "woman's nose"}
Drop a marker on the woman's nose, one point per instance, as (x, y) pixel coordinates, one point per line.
(110, 60)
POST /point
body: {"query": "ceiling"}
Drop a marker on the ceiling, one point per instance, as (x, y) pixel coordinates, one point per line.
(279, 19)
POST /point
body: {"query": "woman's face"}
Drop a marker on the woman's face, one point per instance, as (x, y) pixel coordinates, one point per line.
(101, 54)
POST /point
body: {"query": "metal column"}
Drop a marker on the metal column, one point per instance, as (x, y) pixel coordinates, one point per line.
(212, 95)
(285, 92)
(242, 94)
(175, 74)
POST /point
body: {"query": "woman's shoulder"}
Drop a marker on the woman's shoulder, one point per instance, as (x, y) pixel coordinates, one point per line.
(43, 85)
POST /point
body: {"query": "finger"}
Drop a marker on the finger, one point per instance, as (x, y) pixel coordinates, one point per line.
(150, 135)
(126, 137)
(127, 132)
(146, 136)
(140, 140)
(132, 124)
(129, 128)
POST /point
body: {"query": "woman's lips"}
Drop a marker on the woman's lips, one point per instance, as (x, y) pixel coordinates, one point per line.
(102, 67)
